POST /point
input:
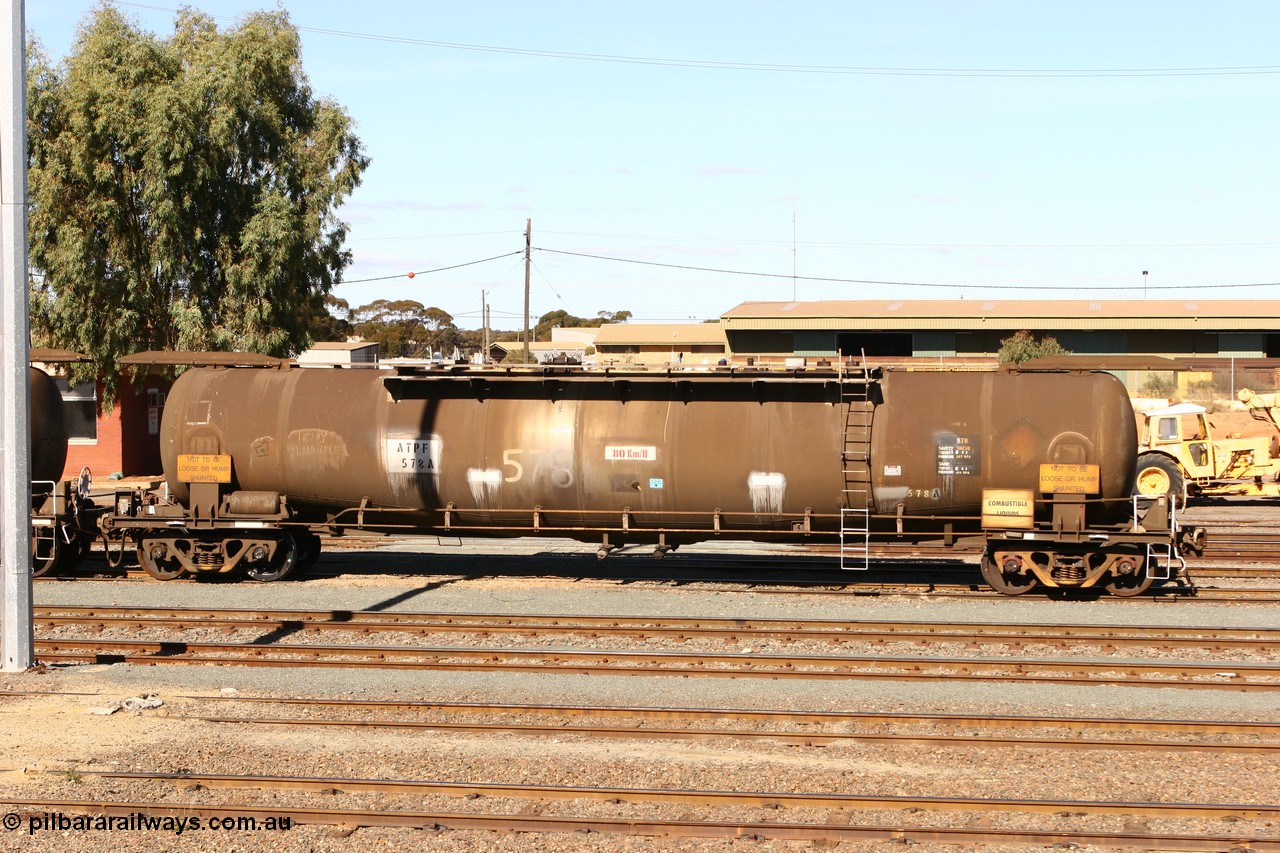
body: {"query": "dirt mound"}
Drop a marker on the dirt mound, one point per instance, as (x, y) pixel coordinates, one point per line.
(1239, 424)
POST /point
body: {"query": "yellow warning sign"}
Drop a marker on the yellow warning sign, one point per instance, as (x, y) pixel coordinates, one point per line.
(1070, 479)
(204, 468)
(1008, 509)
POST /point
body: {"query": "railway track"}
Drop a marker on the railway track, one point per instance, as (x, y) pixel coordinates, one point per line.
(765, 829)
(700, 798)
(620, 803)
(986, 634)
(480, 654)
(762, 726)
(829, 719)
(1211, 676)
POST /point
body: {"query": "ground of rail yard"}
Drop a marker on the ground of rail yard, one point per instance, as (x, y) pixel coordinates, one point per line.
(521, 695)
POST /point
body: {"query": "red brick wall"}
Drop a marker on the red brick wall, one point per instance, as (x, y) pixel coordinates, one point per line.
(102, 457)
(125, 443)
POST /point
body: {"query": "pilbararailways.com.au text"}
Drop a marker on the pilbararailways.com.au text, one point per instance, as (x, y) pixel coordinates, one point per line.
(142, 822)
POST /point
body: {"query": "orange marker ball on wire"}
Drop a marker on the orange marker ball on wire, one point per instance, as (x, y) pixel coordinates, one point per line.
(411, 273)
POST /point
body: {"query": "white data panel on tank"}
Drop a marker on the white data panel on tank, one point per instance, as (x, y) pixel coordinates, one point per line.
(630, 453)
(414, 455)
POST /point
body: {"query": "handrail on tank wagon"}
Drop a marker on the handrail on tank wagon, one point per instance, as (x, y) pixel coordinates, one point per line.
(44, 520)
(1166, 551)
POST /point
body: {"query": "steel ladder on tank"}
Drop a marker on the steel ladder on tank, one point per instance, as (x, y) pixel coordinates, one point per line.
(855, 512)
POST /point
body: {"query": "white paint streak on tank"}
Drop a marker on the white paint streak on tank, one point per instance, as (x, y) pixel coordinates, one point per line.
(767, 491)
(484, 483)
(318, 450)
(888, 497)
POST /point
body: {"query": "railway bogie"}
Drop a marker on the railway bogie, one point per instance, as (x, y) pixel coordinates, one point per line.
(1040, 465)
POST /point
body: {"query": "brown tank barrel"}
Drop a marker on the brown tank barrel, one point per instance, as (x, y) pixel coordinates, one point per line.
(496, 448)
(763, 449)
(48, 430)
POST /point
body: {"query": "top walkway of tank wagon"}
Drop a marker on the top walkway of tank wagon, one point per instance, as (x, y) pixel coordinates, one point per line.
(830, 381)
(453, 380)
(822, 370)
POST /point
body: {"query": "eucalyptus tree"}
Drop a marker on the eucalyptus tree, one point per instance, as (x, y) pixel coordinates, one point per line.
(405, 327)
(564, 320)
(184, 190)
(1024, 346)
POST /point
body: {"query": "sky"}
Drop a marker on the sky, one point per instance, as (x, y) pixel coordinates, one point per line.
(676, 158)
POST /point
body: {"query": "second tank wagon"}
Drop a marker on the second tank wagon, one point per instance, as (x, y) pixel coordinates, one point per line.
(258, 460)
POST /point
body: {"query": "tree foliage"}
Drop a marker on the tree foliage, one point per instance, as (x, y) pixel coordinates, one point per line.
(564, 320)
(183, 190)
(406, 328)
(1024, 346)
(333, 323)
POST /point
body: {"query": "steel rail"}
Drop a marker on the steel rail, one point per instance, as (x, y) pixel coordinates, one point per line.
(791, 737)
(773, 716)
(820, 667)
(446, 821)
(828, 630)
(709, 799)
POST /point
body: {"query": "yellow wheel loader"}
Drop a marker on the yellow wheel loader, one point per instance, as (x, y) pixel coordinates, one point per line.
(1179, 454)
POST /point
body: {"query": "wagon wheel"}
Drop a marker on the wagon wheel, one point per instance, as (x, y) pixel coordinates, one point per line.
(1005, 583)
(72, 553)
(41, 566)
(279, 565)
(152, 557)
(1129, 584)
(308, 549)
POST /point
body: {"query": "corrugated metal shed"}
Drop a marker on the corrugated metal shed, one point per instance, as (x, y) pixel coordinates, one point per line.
(1010, 315)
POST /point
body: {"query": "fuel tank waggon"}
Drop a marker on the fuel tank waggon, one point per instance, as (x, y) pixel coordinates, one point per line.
(723, 453)
(47, 429)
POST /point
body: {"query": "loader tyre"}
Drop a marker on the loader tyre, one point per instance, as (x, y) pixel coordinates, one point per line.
(1159, 475)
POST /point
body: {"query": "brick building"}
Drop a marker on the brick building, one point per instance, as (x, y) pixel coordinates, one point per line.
(124, 440)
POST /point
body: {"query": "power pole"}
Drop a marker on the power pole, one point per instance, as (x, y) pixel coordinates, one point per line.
(484, 318)
(528, 245)
(17, 642)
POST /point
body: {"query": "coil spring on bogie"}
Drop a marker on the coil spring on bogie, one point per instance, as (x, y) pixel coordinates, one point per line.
(207, 558)
(1068, 568)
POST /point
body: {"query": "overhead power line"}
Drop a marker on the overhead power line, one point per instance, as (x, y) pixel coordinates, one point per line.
(949, 244)
(778, 68)
(949, 285)
(413, 273)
